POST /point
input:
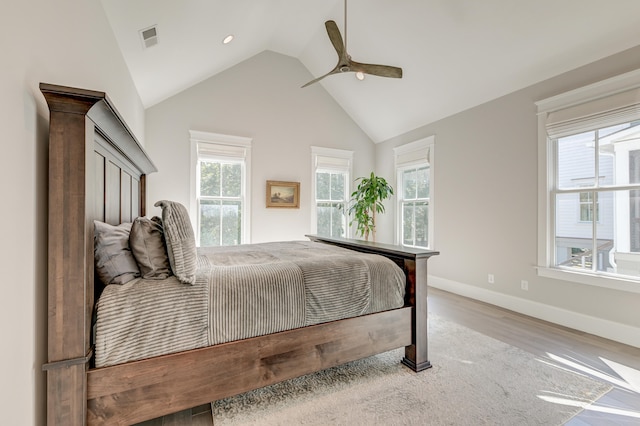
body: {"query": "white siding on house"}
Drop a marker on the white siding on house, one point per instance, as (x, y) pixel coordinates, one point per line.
(577, 170)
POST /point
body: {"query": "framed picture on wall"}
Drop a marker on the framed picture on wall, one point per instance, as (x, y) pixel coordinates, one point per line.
(283, 194)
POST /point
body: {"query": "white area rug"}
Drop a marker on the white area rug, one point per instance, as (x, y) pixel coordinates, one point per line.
(475, 380)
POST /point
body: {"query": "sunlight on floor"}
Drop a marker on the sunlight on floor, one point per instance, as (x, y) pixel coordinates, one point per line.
(628, 379)
(591, 407)
(631, 375)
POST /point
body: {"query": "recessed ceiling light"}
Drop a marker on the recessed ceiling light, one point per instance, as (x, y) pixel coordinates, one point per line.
(360, 75)
(227, 39)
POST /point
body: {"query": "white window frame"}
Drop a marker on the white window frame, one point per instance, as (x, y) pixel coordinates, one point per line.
(573, 109)
(411, 155)
(224, 148)
(330, 160)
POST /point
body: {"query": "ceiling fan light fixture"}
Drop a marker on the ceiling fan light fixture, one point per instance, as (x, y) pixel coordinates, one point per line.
(228, 39)
(345, 63)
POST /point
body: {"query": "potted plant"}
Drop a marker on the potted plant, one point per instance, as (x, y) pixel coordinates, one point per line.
(366, 201)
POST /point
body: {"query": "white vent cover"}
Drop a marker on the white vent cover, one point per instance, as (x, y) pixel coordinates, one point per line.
(149, 36)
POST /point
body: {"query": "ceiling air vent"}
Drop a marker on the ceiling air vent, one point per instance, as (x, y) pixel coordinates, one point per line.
(149, 36)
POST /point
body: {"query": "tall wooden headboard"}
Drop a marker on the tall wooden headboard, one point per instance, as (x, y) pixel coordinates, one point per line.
(90, 178)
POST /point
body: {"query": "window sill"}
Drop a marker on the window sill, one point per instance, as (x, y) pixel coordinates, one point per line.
(597, 280)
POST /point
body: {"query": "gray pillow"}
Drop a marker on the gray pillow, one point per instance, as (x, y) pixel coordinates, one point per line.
(114, 261)
(181, 242)
(148, 247)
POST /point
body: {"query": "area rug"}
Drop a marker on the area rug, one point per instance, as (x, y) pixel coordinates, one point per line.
(475, 380)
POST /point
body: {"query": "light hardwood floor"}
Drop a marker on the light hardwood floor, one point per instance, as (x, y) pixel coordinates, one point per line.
(591, 355)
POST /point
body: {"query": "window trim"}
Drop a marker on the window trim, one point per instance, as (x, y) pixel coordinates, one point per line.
(410, 155)
(546, 169)
(341, 154)
(228, 142)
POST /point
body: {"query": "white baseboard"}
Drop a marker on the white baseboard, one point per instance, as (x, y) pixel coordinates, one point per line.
(597, 326)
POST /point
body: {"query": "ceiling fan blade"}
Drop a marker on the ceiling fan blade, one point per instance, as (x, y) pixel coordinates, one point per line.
(345, 64)
(379, 70)
(336, 38)
(315, 80)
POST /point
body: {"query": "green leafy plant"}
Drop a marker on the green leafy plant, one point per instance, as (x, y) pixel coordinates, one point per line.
(366, 201)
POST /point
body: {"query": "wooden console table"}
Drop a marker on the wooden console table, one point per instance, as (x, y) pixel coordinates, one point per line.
(414, 263)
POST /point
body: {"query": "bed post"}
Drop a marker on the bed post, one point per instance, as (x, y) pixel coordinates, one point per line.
(77, 196)
(416, 355)
(70, 266)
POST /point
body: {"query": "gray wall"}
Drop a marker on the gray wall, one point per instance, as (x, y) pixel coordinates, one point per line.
(486, 191)
(68, 43)
(260, 98)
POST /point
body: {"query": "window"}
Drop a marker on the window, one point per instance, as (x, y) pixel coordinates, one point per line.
(331, 186)
(589, 213)
(220, 187)
(414, 188)
(589, 202)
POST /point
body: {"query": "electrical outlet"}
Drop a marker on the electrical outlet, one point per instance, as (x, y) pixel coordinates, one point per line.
(524, 285)
(491, 279)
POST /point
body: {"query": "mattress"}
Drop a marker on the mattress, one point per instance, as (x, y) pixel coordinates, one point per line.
(240, 292)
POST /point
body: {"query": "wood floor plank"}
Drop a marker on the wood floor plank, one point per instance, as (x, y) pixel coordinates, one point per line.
(202, 419)
(620, 406)
(183, 418)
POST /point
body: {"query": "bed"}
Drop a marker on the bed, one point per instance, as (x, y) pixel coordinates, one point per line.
(97, 172)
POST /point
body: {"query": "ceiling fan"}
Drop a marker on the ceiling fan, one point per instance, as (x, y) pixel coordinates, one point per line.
(345, 64)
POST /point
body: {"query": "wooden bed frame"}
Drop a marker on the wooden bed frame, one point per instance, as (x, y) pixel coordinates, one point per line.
(97, 171)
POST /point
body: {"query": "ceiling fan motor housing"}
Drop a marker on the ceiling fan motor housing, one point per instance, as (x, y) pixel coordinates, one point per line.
(345, 64)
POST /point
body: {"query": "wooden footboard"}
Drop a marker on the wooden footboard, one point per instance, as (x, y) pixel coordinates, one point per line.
(413, 261)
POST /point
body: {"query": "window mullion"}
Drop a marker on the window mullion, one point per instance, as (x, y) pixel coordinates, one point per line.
(413, 236)
(594, 222)
(331, 219)
(220, 233)
(552, 244)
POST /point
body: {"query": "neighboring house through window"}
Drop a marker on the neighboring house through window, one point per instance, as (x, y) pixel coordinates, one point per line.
(589, 203)
(414, 189)
(220, 202)
(589, 212)
(331, 188)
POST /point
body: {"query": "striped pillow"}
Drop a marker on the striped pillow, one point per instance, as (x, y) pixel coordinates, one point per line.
(180, 239)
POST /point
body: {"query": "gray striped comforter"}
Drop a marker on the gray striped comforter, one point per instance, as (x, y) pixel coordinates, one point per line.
(240, 292)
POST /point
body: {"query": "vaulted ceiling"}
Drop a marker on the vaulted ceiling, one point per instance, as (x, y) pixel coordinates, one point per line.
(455, 54)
